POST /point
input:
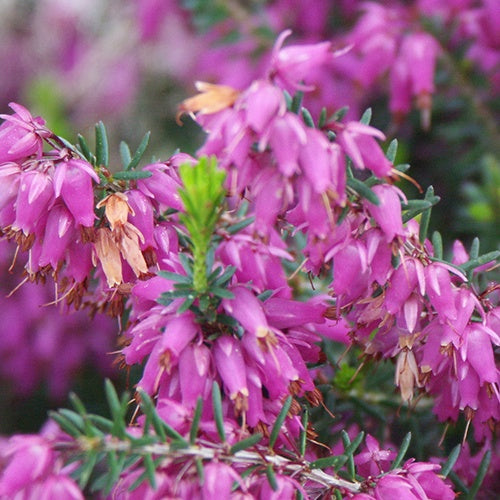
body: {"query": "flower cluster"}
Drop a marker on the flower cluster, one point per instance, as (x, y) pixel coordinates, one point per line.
(207, 261)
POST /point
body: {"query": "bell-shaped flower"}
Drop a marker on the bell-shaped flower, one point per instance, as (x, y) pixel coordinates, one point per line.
(406, 279)
(162, 186)
(218, 480)
(292, 66)
(21, 135)
(263, 102)
(388, 213)
(441, 291)
(179, 332)
(30, 458)
(59, 230)
(35, 195)
(230, 364)
(194, 373)
(142, 216)
(73, 182)
(358, 142)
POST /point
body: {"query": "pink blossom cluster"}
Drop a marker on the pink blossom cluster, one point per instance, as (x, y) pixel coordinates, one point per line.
(425, 314)
(385, 288)
(100, 70)
(32, 468)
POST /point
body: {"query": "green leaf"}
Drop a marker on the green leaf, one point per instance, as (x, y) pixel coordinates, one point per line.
(125, 154)
(150, 470)
(363, 190)
(186, 304)
(223, 293)
(178, 278)
(339, 114)
(481, 473)
(306, 116)
(101, 145)
(85, 149)
(426, 217)
(104, 423)
(392, 150)
(353, 446)
(193, 432)
(279, 422)
(66, 424)
(235, 228)
(437, 244)
(271, 477)
(117, 408)
(246, 443)
(480, 261)
(450, 462)
(225, 276)
(87, 467)
(131, 175)
(416, 207)
(297, 102)
(90, 430)
(139, 152)
(367, 117)
(402, 451)
(474, 248)
(322, 117)
(217, 406)
(323, 463)
(350, 460)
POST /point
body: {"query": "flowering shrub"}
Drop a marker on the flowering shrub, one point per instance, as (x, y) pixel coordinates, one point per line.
(251, 283)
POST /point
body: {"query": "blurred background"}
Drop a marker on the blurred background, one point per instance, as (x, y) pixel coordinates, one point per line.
(130, 63)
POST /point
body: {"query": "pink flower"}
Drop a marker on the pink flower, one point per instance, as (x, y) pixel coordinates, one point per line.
(290, 66)
(59, 230)
(388, 213)
(35, 195)
(357, 140)
(373, 461)
(73, 182)
(218, 481)
(230, 364)
(31, 458)
(21, 135)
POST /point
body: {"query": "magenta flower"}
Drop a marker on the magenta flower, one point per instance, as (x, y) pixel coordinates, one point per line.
(230, 364)
(35, 196)
(30, 459)
(357, 141)
(21, 135)
(59, 231)
(293, 65)
(414, 74)
(373, 461)
(73, 182)
(218, 481)
(388, 213)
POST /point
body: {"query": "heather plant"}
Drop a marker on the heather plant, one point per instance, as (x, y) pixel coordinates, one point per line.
(283, 313)
(430, 69)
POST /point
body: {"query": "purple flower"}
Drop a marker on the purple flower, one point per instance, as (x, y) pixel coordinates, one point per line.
(218, 481)
(357, 141)
(21, 135)
(388, 213)
(230, 364)
(35, 196)
(73, 182)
